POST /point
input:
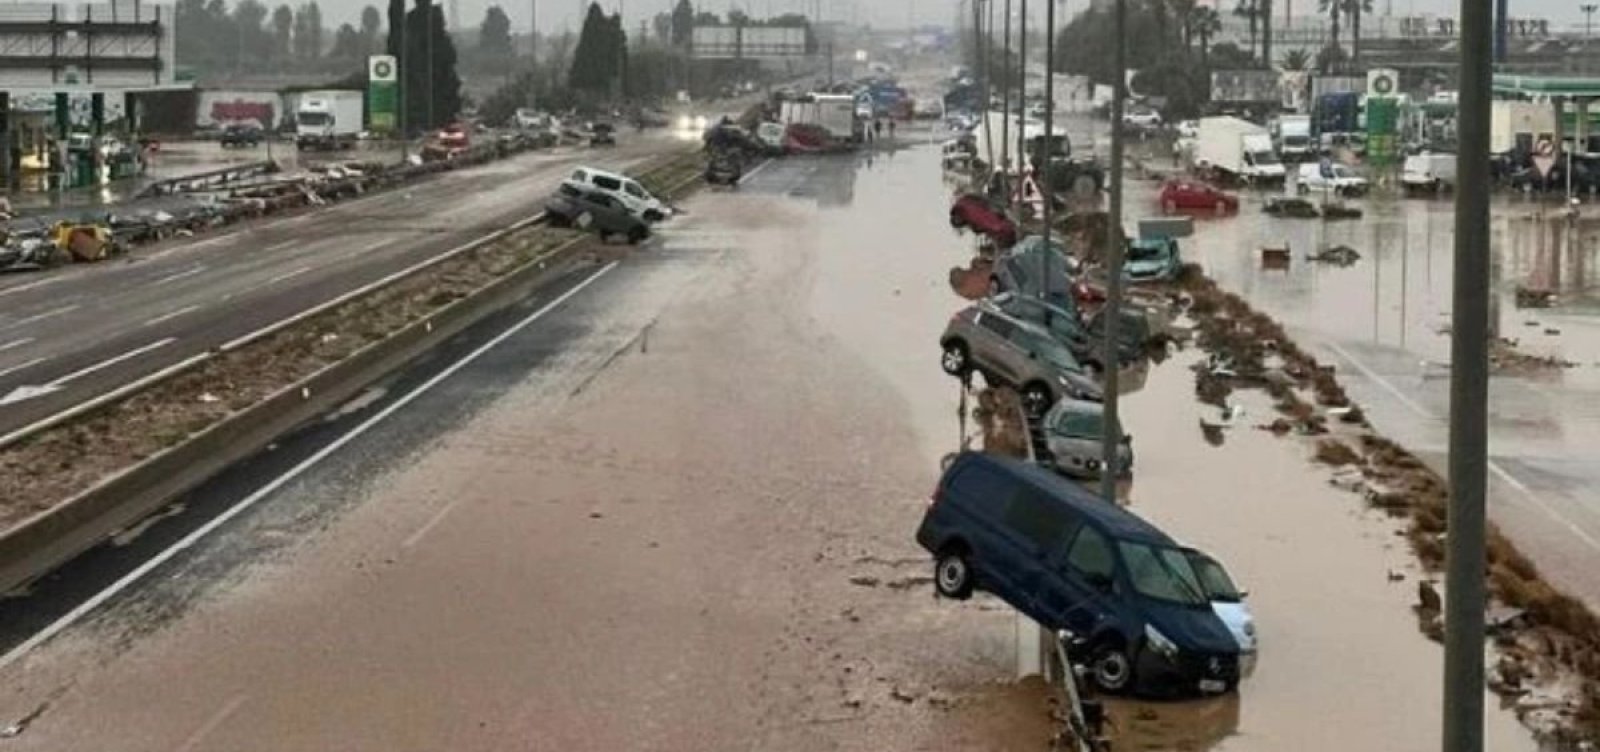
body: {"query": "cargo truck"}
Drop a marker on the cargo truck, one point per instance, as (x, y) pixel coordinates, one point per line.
(1294, 138)
(328, 119)
(1236, 150)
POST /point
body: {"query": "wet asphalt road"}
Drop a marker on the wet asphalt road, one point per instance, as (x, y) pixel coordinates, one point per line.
(67, 335)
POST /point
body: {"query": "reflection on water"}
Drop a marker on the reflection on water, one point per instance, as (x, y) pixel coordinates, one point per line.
(1191, 725)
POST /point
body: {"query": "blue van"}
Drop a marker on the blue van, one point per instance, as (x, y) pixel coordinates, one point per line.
(1054, 551)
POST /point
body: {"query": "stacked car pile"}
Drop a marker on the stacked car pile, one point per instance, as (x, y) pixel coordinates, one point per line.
(1141, 611)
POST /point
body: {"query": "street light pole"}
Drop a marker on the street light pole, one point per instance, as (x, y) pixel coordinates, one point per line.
(1049, 144)
(1588, 18)
(1110, 358)
(1022, 102)
(1465, 558)
(1005, 95)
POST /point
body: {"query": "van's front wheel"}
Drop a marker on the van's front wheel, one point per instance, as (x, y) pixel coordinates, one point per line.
(1111, 668)
(952, 575)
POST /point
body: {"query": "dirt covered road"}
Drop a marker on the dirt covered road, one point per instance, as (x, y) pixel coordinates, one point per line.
(675, 513)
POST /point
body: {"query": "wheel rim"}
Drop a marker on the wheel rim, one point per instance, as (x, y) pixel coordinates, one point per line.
(1037, 399)
(952, 574)
(584, 220)
(1111, 670)
(954, 360)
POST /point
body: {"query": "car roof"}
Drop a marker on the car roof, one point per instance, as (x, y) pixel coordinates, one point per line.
(1112, 519)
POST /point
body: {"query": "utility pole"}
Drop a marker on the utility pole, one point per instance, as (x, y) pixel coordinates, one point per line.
(1022, 101)
(1465, 558)
(1588, 18)
(433, 12)
(402, 64)
(533, 32)
(1005, 94)
(1111, 441)
(1049, 145)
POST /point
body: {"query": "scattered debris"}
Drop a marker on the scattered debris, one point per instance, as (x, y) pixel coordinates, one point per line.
(864, 580)
(1529, 297)
(1338, 255)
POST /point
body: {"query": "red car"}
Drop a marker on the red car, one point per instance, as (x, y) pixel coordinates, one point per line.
(1184, 195)
(974, 211)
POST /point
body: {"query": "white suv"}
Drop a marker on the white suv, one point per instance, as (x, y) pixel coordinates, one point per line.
(1329, 176)
(626, 190)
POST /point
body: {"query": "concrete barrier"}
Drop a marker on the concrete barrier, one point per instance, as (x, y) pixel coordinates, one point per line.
(54, 537)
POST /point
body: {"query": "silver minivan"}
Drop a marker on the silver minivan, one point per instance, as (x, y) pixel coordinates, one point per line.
(1073, 430)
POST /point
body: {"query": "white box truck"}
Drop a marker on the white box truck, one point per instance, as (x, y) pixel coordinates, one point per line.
(1294, 138)
(328, 119)
(1238, 150)
(1429, 173)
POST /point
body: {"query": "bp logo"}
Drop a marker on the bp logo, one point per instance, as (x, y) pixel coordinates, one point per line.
(1381, 82)
(381, 68)
(1383, 85)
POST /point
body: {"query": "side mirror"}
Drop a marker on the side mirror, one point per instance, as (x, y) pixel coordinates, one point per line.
(1243, 594)
(1127, 439)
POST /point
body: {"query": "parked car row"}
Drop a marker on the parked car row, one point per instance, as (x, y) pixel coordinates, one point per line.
(1146, 614)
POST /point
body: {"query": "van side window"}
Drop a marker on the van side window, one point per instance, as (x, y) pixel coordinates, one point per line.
(1033, 516)
(1091, 554)
(610, 184)
(996, 324)
(580, 176)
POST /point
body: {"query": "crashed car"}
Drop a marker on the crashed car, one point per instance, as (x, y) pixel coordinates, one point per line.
(602, 134)
(1227, 602)
(1289, 206)
(1010, 351)
(985, 217)
(1032, 267)
(1125, 591)
(1059, 316)
(1074, 433)
(724, 168)
(592, 211)
(1151, 260)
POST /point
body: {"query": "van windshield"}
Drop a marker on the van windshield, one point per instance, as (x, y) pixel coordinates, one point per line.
(1162, 573)
(1214, 579)
(1085, 423)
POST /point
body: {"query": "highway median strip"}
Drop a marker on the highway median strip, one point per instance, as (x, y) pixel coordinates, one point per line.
(73, 482)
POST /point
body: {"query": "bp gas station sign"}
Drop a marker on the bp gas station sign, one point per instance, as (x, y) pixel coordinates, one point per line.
(383, 80)
(1383, 116)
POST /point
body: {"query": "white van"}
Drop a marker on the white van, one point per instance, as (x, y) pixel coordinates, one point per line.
(1330, 176)
(1429, 173)
(626, 190)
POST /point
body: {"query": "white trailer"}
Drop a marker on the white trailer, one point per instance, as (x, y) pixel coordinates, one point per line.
(1294, 140)
(1238, 150)
(834, 113)
(328, 119)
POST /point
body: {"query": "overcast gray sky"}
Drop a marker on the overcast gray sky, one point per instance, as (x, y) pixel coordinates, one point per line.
(556, 14)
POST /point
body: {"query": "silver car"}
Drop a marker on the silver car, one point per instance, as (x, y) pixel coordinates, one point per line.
(1073, 431)
(1030, 266)
(1010, 351)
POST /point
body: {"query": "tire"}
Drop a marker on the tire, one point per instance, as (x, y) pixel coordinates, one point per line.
(638, 234)
(1111, 668)
(1037, 399)
(952, 574)
(956, 222)
(995, 287)
(955, 359)
(583, 221)
(652, 215)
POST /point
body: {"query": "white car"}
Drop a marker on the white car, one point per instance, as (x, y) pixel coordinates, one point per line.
(626, 190)
(1142, 118)
(1189, 129)
(1331, 177)
(1227, 602)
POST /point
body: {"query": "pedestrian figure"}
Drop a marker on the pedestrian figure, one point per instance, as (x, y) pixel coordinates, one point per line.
(877, 127)
(891, 130)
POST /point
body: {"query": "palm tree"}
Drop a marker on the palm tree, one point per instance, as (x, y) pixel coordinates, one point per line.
(1332, 8)
(1295, 60)
(1266, 31)
(1207, 22)
(1353, 10)
(1251, 11)
(1184, 12)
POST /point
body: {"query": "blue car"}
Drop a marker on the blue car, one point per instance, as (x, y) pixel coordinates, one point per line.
(1127, 592)
(1151, 260)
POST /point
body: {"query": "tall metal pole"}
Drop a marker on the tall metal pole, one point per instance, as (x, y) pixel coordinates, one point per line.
(1111, 360)
(429, 30)
(403, 70)
(1022, 103)
(1469, 396)
(1049, 144)
(1005, 92)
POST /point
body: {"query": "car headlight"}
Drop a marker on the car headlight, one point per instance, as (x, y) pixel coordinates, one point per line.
(1159, 642)
(685, 123)
(1250, 629)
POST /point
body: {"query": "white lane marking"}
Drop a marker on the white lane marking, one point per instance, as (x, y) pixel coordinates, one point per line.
(759, 168)
(1380, 381)
(288, 275)
(175, 276)
(13, 344)
(212, 723)
(20, 366)
(1500, 472)
(279, 246)
(111, 361)
(45, 315)
(30, 285)
(437, 518)
(94, 602)
(172, 315)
